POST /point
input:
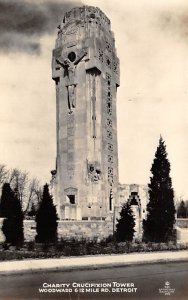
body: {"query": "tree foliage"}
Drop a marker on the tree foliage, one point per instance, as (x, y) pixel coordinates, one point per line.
(46, 218)
(3, 175)
(28, 189)
(182, 211)
(32, 212)
(125, 224)
(11, 210)
(158, 226)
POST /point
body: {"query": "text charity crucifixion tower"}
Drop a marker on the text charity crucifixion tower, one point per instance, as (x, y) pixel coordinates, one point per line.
(86, 73)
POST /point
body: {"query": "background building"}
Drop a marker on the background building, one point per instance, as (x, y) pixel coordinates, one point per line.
(137, 196)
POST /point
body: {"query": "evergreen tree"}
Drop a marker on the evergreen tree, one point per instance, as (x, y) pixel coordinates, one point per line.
(158, 226)
(10, 209)
(125, 225)
(186, 207)
(32, 211)
(46, 219)
(181, 211)
(6, 200)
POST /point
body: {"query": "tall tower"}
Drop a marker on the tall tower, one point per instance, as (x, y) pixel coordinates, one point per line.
(86, 73)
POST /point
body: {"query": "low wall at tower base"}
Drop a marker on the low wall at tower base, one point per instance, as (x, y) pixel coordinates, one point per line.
(182, 235)
(182, 222)
(74, 229)
(71, 229)
(182, 230)
(85, 229)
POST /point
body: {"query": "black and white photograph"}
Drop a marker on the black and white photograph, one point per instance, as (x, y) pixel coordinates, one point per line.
(93, 149)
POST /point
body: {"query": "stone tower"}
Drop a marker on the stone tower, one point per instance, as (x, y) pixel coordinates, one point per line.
(85, 69)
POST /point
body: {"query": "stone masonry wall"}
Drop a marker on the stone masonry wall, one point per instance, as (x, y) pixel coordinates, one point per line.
(182, 223)
(88, 229)
(182, 235)
(76, 229)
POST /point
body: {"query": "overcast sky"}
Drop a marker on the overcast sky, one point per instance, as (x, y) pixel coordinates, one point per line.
(152, 44)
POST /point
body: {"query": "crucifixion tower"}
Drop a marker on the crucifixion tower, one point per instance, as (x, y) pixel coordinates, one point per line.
(86, 73)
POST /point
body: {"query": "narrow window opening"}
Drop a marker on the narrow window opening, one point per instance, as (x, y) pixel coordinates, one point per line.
(110, 204)
(71, 199)
(110, 200)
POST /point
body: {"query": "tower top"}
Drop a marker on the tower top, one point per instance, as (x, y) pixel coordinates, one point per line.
(87, 14)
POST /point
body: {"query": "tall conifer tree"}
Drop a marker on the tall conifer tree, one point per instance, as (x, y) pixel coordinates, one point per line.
(158, 226)
(6, 200)
(125, 225)
(46, 219)
(10, 209)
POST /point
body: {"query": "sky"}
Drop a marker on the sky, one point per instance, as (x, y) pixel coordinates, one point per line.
(152, 45)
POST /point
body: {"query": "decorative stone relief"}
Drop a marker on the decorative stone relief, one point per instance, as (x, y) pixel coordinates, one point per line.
(108, 95)
(110, 175)
(110, 158)
(110, 147)
(109, 110)
(109, 134)
(71, 191)
(70, 28)
(53, 179)
(108, 47)
(109, 122)
(94, 172)
(109, 128)
(101, 55)
(116, 67)
(108, 62)
(108, 77)
(69, 62)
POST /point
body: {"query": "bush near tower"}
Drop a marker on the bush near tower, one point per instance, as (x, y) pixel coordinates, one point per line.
(159, 223)
(125, 224)
(10, 209)
(46, 219)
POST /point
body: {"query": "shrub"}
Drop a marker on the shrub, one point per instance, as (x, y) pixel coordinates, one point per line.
(125, 224)
(10, 209)
(46, 219)
(163, 246)
(30, 245)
